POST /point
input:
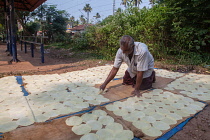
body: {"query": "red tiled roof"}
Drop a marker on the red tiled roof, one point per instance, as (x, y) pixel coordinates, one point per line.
(25, 5)
(80, 27)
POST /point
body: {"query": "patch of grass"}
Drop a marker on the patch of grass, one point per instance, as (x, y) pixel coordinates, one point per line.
(85, 54)
(186, 59)
(59, 45)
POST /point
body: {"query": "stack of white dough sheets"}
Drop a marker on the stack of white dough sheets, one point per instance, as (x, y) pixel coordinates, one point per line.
(98, 126)
(155, 111)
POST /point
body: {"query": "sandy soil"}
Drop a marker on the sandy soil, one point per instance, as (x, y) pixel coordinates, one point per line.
(60, 61)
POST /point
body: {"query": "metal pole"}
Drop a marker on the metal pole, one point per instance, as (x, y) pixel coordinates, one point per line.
(41, 24)
(9, 38)
(113, 6)
(13, 32)
(21, 45)
(32, 49)
(6, 25)
(42, 53)
(25, 45)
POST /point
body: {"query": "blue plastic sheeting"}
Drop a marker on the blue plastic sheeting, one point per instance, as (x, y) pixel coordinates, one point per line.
(20, 81)
(1, 136)
(135, 138)
(84, 111)
(117, 79)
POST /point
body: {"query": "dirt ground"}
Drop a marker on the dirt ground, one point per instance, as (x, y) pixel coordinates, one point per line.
(61, 61)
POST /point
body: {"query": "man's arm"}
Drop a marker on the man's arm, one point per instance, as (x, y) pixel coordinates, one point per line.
(111, 75)
(139, 78)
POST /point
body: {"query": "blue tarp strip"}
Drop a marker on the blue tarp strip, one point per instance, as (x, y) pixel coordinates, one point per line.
(85, 111)
(80, 112)
(117, 79)
(20, 81)
(135, 138)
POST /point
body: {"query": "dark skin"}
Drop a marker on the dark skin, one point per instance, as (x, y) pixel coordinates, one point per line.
(128, 51)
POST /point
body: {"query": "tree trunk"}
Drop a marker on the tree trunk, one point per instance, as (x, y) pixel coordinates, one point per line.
(87, 17)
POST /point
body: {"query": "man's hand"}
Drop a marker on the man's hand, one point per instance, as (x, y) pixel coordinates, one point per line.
(102, 87)
(136, 93)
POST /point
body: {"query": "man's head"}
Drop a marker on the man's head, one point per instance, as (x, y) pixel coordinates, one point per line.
(127, 44)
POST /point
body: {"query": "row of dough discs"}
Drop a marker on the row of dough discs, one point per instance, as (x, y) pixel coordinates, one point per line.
(155, 111)
(192, 85)
(98, 126)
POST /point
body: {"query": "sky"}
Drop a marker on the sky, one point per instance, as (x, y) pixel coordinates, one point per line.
(103, 7)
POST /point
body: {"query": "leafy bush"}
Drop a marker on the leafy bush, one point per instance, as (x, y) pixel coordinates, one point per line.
(79, 42)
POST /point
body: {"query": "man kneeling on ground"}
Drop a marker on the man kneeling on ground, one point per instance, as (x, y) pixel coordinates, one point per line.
(140, 72)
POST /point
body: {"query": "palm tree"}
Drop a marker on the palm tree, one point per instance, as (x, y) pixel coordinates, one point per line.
(152, 2)
(72, 21)
(131, 2)
(125, 3)
(97, 15)
(82, 19)
(136, 2)
(87, 9)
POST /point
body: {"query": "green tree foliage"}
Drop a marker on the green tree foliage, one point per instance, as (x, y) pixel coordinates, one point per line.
(53, 22)
(82, 19)
(190, 23)
(171, 33)
(130, 3)
(33, 27)
(97, 16)
(72, 21)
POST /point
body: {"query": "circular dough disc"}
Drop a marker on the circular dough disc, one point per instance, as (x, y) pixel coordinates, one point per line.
(90, 136)
(141, 125)
(105, 134)
(95, 125)
(149, 119)
(81, 129)
(153, 132)
(161, 125)
(87, 117)
(125, 134)
(121, 112)
(115, 127)
(105, 120)
(169, 121)
(72, 121)
(99, 113)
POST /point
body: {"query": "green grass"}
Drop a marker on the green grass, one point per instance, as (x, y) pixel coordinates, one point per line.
(59, 45)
